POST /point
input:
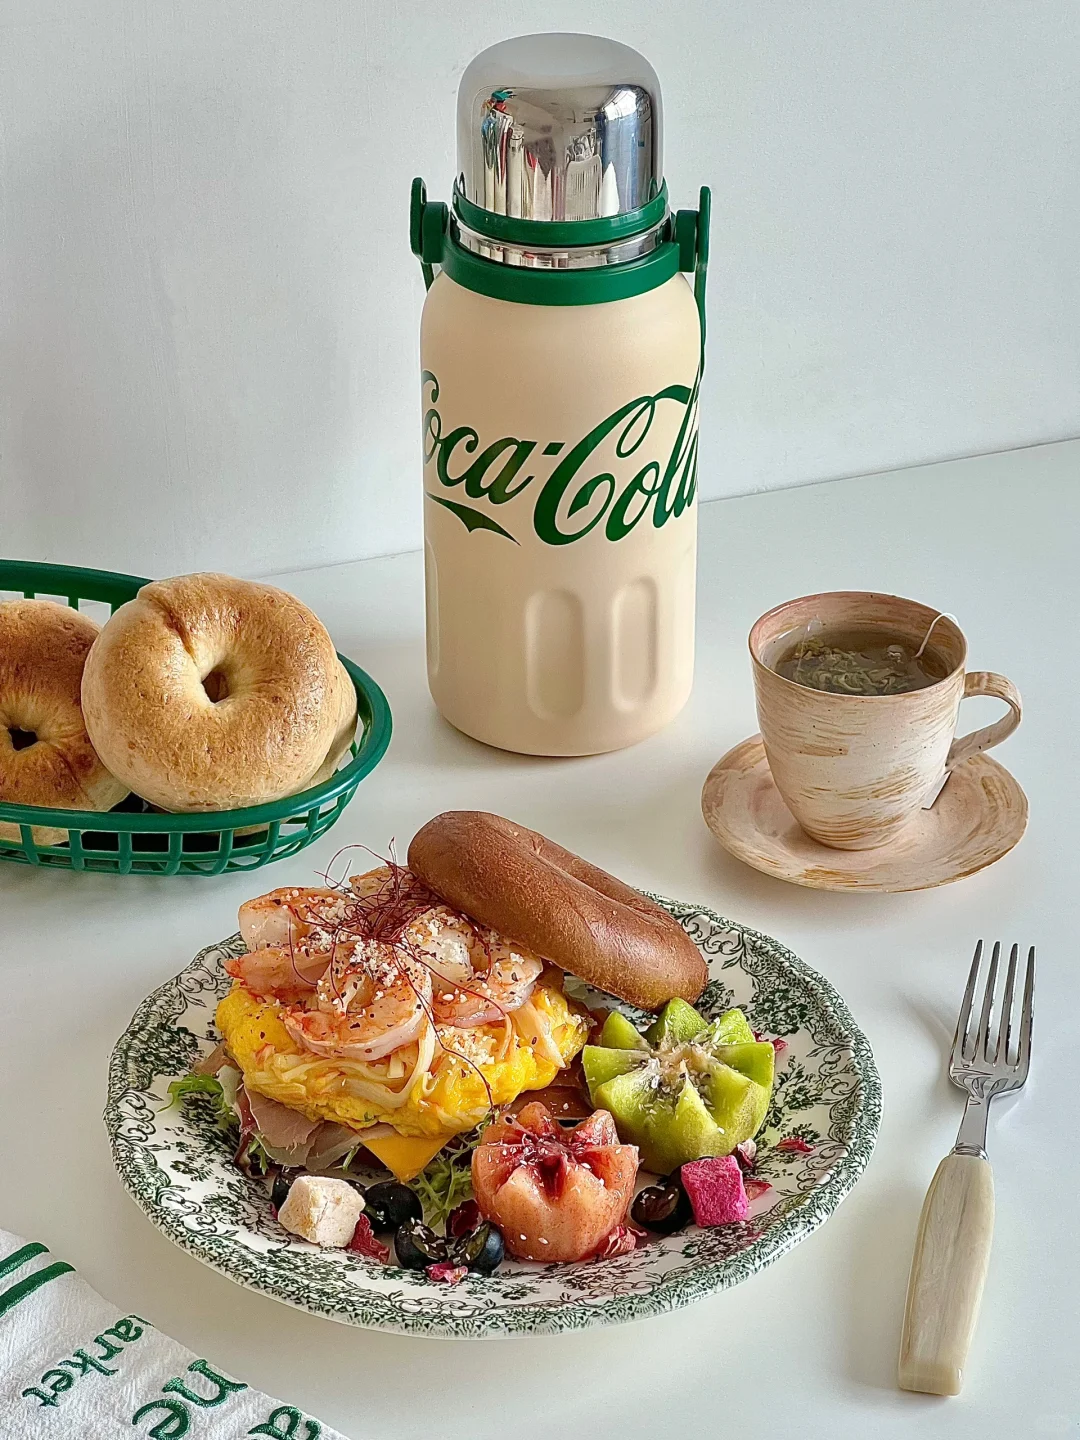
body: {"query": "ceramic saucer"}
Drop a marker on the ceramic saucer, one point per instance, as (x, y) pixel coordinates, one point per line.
(978, 817)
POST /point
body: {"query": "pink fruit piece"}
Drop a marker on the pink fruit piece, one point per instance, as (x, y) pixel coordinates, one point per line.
(794, 1145)
(363, 1242)
(716, 1190)
(755, 1187)
(446, 1273)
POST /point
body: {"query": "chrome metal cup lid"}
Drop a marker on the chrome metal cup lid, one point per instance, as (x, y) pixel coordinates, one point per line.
(559, 128)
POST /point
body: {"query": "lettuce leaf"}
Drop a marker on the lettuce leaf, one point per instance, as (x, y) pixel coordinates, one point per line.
(447, 1180)
(211, 1086)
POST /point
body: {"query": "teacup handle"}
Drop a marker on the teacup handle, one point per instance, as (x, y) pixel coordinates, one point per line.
(985, 682)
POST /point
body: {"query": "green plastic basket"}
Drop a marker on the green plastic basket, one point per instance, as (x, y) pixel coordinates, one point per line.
(132, 839)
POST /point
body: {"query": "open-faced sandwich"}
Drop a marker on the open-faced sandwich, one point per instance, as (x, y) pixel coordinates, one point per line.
(415, 1018)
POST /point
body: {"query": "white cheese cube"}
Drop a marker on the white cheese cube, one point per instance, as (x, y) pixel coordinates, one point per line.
(322, 1210)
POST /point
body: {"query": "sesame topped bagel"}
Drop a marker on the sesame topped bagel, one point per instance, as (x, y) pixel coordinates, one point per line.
(46, 757)
(211, 693)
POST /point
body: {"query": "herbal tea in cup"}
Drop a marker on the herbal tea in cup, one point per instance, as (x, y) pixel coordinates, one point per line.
(857, 697)
(860, 662)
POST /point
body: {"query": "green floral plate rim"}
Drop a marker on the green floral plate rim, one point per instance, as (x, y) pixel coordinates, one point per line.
(177, 1166)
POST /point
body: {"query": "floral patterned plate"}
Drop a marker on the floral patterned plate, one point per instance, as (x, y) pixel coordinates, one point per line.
(177, 1165)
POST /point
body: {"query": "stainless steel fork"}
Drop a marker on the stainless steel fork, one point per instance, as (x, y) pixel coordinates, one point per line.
(952, 1248)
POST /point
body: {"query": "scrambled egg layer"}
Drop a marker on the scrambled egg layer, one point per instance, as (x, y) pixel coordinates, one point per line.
(445, 1099)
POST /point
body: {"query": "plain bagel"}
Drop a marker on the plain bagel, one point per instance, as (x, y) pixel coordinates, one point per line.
(570, 912)
(46, 757)
(211, 693)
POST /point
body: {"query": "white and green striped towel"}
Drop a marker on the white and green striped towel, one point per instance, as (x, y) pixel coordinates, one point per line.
(73, 1367)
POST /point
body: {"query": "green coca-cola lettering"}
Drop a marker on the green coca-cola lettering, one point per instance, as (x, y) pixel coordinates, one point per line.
(492, 475)
(683, 454)
(472, 519)
(497, 490)
(464, 436)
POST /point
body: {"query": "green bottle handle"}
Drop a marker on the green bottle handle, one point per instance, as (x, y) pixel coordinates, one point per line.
(427, 227)
(701, 259)
(692, 238)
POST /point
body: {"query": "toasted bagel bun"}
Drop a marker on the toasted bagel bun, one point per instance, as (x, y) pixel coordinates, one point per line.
(210, 693)
(46, 757)
(570, 912)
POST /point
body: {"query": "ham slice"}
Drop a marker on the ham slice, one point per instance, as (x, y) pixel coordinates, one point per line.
(279, 1127)
(212, 1063)
(291, 1139)
(332, 1143)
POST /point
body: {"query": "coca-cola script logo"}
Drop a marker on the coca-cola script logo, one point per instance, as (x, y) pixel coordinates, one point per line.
(569, 502)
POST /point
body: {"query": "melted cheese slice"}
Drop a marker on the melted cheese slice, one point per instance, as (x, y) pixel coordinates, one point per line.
(405, 1155)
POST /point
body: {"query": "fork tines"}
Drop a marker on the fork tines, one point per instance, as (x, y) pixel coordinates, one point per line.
(1006, 1045)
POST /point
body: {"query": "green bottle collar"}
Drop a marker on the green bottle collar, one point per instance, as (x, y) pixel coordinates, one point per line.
(560, 232)
(685, 247)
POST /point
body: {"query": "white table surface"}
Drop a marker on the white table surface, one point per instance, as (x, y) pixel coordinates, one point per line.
(809, 1346)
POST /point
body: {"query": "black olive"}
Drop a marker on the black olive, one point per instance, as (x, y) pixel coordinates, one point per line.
(389, 1204)
(664, 1208)
(482, 1251)
(282, 1184)
(418, 1247)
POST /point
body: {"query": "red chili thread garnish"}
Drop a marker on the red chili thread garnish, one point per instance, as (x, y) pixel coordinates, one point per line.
(383, 916)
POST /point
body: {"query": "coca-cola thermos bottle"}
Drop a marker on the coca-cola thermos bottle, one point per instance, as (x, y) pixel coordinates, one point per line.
(561, 350)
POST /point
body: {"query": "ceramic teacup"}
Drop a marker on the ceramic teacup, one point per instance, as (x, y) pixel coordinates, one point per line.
(855, 769)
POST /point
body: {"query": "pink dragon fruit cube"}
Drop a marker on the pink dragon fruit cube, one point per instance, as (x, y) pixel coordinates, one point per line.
(716, 1190)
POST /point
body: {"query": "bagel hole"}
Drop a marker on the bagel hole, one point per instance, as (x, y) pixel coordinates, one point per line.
(21, 739)
(216, 686)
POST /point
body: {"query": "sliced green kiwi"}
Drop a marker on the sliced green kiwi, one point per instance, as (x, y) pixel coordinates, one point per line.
(730, 1028)
(677, 1024)
(619, 1034)
(757, 1060)
(601, 1063)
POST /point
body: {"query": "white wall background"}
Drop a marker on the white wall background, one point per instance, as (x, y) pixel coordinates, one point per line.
(209, 312)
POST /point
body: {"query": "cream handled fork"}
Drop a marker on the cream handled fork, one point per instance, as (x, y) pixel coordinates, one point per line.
(952, 1247)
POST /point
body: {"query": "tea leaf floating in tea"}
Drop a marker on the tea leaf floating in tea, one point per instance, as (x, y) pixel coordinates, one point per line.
(859, 662)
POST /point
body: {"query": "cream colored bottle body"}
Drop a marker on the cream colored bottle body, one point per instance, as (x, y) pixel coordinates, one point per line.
(560, 446)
